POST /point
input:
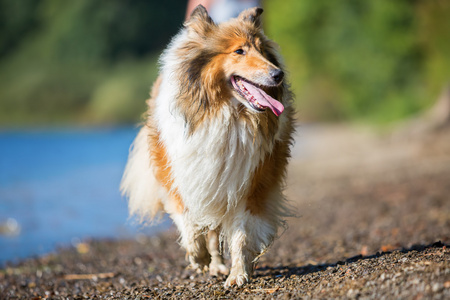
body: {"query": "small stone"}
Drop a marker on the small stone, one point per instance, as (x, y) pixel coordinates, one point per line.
(436, 287)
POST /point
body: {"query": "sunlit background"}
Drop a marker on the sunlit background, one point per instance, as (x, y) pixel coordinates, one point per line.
(74, 76)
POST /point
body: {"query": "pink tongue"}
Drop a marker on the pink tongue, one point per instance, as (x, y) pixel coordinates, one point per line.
(264, 99)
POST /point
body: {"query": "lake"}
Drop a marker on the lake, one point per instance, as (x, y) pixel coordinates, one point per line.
(59, 187)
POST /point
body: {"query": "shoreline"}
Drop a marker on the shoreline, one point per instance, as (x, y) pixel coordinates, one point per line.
(374, 221)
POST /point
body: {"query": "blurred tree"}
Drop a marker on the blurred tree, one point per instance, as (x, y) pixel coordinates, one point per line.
(361, 59)
(107, 29)
(17, 19)
(55, 55)
(94, 60)
(434, 36)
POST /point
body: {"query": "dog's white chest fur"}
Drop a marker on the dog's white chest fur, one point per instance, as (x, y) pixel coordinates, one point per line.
(211, 167)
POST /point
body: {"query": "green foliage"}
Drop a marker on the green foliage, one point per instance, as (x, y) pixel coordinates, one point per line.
(32, 92)
(434, 34)
(93, 61)
(17, 19)
(361, 59)
(81, 61)
(72, 93)
(87, 30)
(119, 98)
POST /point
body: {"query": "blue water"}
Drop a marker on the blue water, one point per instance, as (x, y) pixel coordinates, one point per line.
(62, 186)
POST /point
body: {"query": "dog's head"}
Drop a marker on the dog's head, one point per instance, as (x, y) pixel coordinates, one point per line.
(232, 60)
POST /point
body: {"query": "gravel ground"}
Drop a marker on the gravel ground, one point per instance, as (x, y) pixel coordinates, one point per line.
(373, 222)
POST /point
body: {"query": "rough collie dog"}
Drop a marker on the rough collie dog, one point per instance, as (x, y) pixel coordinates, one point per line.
(215, 145)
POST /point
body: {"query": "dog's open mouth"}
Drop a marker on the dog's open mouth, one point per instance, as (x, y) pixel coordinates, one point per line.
(256, 97)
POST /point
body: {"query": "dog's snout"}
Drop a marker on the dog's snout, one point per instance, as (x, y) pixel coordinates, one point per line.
(277, 75)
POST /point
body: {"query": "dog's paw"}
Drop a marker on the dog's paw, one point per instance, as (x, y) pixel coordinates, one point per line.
(199, 269)
(200, 261)
(199, 265)
(236, 279)
(216, 269)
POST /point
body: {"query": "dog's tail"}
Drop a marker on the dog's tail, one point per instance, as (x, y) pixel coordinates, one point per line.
(139, 184)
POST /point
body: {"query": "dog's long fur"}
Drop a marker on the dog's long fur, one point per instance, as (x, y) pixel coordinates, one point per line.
(205, 155)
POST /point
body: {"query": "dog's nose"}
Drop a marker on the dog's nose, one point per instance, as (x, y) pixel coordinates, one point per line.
(277, 75)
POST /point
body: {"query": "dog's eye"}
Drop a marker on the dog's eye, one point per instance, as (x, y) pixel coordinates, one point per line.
(239, 51)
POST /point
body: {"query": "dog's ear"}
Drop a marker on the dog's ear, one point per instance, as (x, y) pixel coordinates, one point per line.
(199, 21)
(252, 15)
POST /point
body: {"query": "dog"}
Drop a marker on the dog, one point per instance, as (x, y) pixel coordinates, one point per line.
(215, 145)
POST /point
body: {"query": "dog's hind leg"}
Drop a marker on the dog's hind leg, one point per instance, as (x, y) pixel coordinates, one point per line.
(194, 241)
(216, 266)
(197, 252)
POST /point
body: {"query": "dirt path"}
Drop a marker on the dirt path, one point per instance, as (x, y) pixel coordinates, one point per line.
(374, 222)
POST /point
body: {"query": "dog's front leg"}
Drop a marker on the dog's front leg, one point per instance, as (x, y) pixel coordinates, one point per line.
(248, 236)
(241, 259)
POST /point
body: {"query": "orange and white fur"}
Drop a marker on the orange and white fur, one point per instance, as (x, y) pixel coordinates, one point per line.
(214, 148)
